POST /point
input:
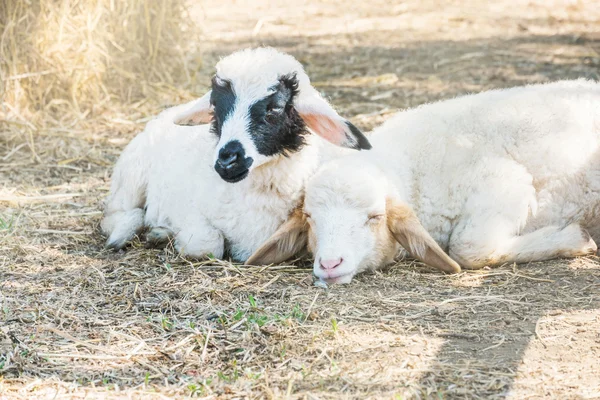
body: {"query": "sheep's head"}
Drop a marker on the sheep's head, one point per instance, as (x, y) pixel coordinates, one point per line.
(261, 106)
(351, 221)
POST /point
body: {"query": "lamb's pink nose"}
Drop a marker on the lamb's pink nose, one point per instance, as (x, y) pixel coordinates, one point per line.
(330, 264)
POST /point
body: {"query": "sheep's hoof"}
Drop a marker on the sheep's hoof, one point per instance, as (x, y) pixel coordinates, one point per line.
(115, 244)
(158, 237)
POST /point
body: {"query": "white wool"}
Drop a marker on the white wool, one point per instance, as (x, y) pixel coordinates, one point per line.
(165, 179)
(502, 176)
(169, 170)
(253, 71)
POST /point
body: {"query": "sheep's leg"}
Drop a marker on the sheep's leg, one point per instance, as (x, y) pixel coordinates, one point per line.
(158, 237)
(200, 240)
(122, 226)
(489, 232)
(124, 213)
(543, 244)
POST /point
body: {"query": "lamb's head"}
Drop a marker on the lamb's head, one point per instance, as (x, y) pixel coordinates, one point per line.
(261, 106)
(346, 214)
(352, 220)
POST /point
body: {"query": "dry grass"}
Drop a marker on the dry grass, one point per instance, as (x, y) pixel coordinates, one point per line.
(64, 56)
(77, 68)
(77, 321)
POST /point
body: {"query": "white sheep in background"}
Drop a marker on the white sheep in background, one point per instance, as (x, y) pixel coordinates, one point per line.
(497, 177)
(261, 108)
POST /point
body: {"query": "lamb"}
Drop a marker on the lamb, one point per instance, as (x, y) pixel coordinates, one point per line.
(254, 127)
(504, 176)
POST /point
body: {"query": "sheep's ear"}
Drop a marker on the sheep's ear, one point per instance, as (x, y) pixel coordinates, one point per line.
(199, 113)
(323, 120)
(289, 240)
(408, 231)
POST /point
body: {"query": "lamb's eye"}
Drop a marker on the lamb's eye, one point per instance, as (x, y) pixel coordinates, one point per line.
(375, 218)
(272, 115)
(274, 109)
(307, 216)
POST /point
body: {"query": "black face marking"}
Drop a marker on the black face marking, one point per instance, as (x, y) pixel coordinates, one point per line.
(222, 98)
(359, 140)
(275, 125)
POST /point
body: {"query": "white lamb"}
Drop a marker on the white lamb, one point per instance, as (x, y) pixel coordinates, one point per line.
(261, 109)
(498, 177)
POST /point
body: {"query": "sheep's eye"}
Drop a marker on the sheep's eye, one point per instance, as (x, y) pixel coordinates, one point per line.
(375, 218)
(273, 114)
(307, 216)
(274, 109)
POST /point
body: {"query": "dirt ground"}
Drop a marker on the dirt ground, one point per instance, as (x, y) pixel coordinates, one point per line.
(79, 321)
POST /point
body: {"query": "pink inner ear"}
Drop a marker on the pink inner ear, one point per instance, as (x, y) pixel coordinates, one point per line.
(194, 118)
(328, 129)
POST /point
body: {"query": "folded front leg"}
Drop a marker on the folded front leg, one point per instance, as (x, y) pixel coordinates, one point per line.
(199, 239)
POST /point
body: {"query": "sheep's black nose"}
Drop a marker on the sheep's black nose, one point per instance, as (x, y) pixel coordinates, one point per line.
(232, 164)
(231, 154)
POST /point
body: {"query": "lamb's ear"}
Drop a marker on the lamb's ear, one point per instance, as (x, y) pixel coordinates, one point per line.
(323, 120)
(408, 231)
(289, 240)
(198, 113)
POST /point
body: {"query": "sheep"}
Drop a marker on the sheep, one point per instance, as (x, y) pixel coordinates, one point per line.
(222, 173)
(504, 176)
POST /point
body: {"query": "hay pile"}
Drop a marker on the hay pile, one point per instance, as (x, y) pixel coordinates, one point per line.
(65, 60)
